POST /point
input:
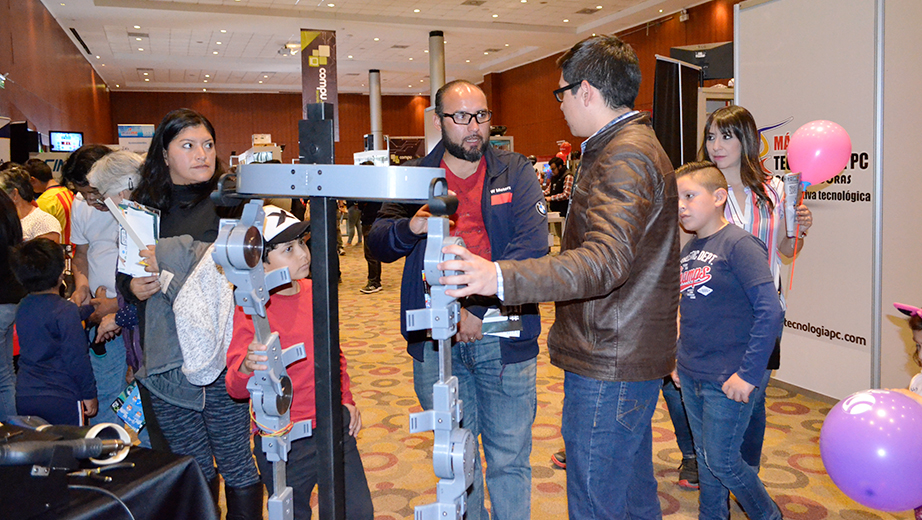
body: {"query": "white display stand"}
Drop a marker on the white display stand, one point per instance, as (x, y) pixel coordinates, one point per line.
(852, 63)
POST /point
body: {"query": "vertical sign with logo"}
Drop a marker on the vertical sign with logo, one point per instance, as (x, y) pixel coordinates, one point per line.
(318, 72)
(135, 138)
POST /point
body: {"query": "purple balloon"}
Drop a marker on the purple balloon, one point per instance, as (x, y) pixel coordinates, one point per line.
(871, 445)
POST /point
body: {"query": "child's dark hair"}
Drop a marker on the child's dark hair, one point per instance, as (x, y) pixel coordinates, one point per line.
(704, 173)
(267, 247)
(38, 264)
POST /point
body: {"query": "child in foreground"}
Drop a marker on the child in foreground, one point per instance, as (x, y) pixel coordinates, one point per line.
(55, 380)
(730, 317)
(290, 313)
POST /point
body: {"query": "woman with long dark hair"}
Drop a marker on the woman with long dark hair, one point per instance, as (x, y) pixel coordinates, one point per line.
(756, 204)
(10, 295)
(178, 175)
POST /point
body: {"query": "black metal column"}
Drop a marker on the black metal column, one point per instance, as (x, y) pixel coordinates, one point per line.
(316, 147)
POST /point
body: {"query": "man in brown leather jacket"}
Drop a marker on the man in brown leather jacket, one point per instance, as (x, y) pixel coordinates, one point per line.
(615, 284)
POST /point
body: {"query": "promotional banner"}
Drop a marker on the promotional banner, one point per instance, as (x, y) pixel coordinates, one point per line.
(318, 72)
(405, 148)
(827, 341)
(135, 138)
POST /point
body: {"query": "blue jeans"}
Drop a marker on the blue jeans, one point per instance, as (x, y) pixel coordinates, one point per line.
(608, 435)
(683, 436)
(109, 371)
(7, 376)
(718, 424)
(499, 403)
(755, 433)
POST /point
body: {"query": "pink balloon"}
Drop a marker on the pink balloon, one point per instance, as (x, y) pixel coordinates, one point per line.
(819, 150)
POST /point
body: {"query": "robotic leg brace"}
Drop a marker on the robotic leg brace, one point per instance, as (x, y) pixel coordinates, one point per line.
(453, 448)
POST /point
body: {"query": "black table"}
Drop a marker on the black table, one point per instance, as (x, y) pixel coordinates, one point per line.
(160, 486)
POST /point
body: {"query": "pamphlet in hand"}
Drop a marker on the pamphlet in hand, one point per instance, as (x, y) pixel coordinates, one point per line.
(128, 407)
(138, 226)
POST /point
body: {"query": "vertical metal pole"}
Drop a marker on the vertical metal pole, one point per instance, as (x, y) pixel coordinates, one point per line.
(877, 231)
(374, 101)
(436, 63)
(316, 135)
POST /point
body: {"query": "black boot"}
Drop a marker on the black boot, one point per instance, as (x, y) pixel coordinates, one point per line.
(214, 486)
(244, 503)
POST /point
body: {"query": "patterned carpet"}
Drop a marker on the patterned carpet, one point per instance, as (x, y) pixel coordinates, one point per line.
(398, 463)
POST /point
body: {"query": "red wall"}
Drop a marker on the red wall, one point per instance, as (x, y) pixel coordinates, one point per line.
(51, 85)
(521, 98)
(236, 117)
(522, 101)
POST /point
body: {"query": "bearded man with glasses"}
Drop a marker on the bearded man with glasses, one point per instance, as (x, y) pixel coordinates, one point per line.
(501, 216)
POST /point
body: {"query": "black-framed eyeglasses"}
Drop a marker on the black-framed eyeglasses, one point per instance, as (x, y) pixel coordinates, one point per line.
(559, 92)
(463, 118)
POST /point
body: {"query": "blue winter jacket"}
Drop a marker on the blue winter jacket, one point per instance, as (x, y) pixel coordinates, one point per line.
(517, 229)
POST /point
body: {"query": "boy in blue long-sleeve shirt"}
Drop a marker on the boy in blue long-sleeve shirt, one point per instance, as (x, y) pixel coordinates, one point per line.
(55, 377)
(730, 317)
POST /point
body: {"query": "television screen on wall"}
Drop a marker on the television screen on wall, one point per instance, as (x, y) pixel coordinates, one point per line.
(65, 141)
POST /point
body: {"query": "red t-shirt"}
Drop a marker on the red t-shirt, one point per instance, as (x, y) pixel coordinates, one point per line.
(292, 317)
(469, 217)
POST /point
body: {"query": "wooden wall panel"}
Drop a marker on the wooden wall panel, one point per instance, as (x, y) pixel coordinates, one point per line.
(236, 117)
(522, 101)
(51, 85)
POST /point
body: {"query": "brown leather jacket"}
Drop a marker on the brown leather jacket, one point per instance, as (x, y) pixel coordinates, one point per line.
(616, 280)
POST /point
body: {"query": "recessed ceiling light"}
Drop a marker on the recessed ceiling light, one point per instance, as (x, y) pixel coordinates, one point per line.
(524, 1)
(331, 5)
(146, 73)
(138, 39)
(661, 10)
(206, 81)
(507, 45)
(350, 56)
(214, 52)
(377, 39)
(260, 81)
(217, 43)
(411, 59)
(137, 26)
(103, 65)
(409, 86)
(485, 52)
(223, 30)
(146, 79)
(97, 57)
(598, 7)
(117, 85)
(265, 75)
(205, 89)
(565, 20)
(467, 61)
(422, 80)
(415, 10)
(207, 75)
(426, 51)
(141, 49)
(495, 16)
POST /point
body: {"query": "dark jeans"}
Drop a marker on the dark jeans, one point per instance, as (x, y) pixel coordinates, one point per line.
(374, 265)
(608, 434)
(683, 436)
(718, 423)
(301, 475)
